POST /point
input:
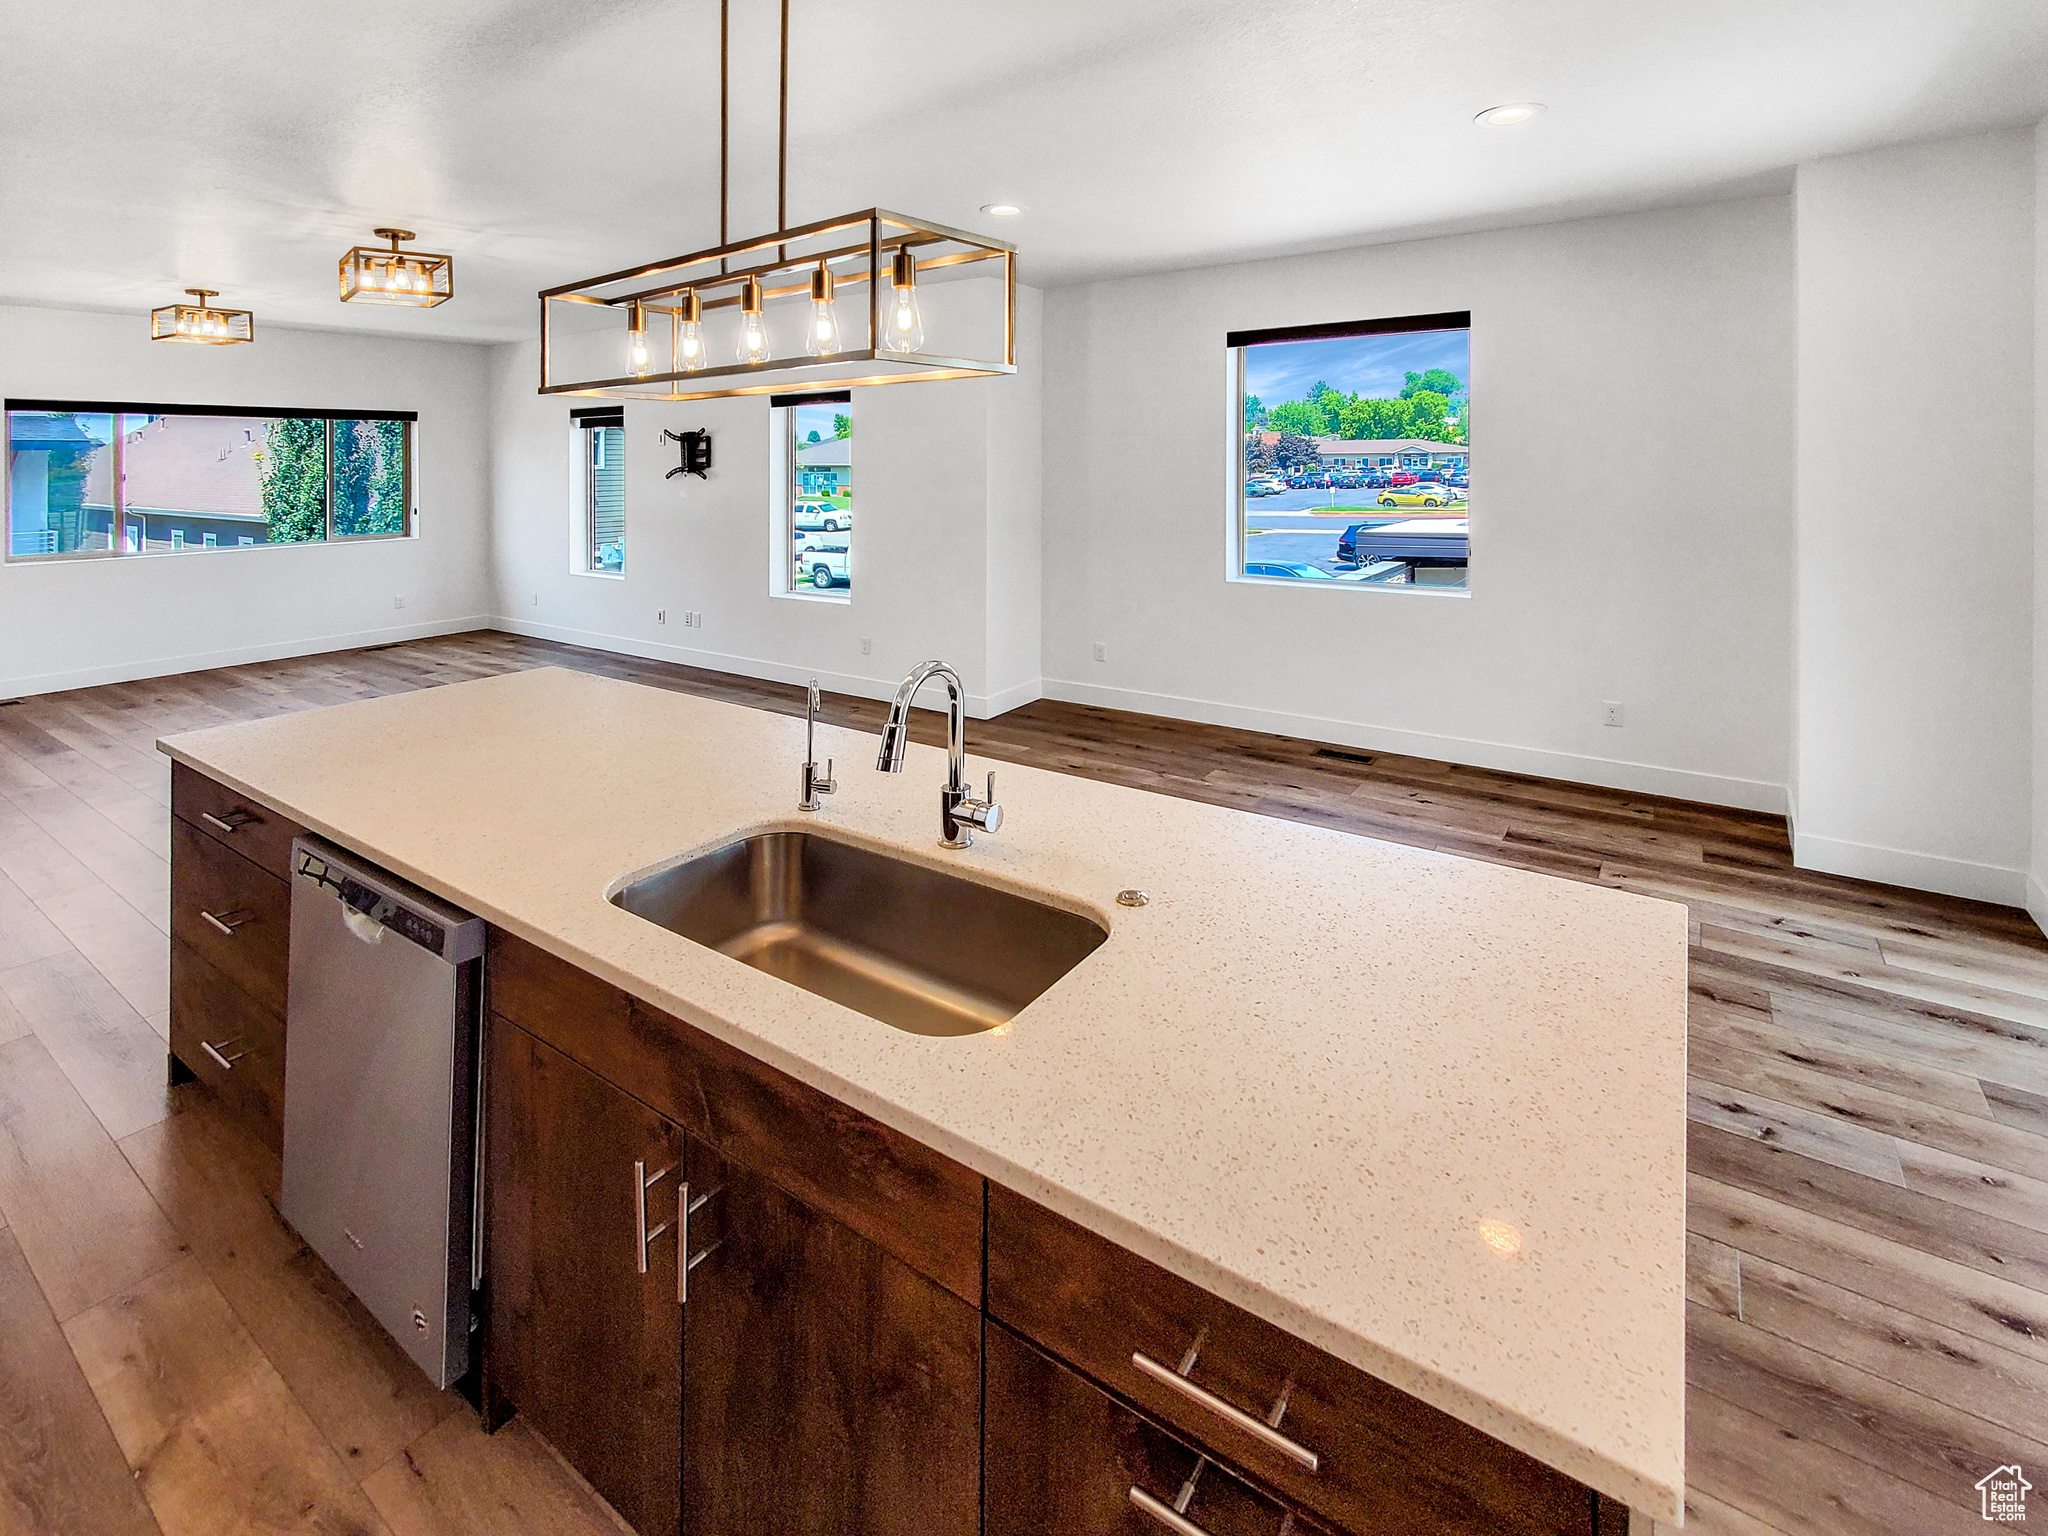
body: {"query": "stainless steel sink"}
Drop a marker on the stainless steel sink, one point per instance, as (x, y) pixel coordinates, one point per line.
(914, 947)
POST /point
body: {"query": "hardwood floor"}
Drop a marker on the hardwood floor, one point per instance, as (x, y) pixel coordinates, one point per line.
(1868, 1274)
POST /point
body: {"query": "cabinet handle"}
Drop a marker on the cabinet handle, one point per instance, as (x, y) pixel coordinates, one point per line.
(1165, 1513)
(227, 922)
(1258, 1429)
(227, 1063)
(642, 1182)
(233, 822)
(687, 1261)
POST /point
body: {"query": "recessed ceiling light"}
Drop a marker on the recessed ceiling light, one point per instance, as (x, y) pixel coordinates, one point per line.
(1510, 114)
(1003, 210)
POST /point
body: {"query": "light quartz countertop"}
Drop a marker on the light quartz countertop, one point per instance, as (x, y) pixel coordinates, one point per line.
(1304, 1077)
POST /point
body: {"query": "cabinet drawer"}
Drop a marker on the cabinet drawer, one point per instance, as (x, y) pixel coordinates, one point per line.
(232, 912)
(1063, 1455)
(1384, 1461)
(235, 821)
(230, 1041)
(899, 1194)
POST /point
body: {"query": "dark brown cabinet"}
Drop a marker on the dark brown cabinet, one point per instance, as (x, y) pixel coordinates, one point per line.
(828, 1387)
(586, 1339)
(1065, 1456)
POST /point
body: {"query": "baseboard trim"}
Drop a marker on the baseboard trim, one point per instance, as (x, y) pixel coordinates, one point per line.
(1606, 773)
(207, 661)
(1917, 871)
(979, 706)
(2037, 902)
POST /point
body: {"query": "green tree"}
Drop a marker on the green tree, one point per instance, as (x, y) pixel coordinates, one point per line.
(1374, 418)
(294, 480)
(1254, 413)
(1294, 451)
(1305, 418)
(1426, 412)
(814, 437)
(1440, 381)
(842, 426)
(369, 477)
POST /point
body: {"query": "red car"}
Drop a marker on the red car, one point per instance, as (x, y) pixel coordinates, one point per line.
(1400, 477)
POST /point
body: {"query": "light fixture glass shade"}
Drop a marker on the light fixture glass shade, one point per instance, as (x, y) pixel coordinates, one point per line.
(638, 358)
(686, 351)
(822, 339)
(418, 279)
(902, 323)
(753, 342)
(201, 322)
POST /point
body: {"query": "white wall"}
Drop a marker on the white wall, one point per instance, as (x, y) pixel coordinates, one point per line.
(945, 546)
(1915, 599)
(1631, 525)
(2037, 882)
(71, 624)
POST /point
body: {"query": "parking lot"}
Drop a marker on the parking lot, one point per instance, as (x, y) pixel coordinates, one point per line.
(1275, 534)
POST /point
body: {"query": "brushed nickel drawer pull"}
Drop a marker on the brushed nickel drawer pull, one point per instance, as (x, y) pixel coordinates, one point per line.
(227, 922)
(233, 822)
(642, 1182)
(1258, 1429)
(1165, 1513)
(685, 1209)
(227, 1063)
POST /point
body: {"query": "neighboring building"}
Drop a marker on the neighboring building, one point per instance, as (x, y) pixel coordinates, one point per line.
(1410, 453)
(825, 468)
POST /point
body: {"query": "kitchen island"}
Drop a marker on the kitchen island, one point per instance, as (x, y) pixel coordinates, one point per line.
(1422, 1114)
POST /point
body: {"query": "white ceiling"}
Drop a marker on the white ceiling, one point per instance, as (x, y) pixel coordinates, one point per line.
(244, 147)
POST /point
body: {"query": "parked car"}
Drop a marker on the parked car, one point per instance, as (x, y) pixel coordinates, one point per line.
(1348, 481)
(1289, 569)
(1377, 481)
(1262, 488)
(826, 564)
(822, 517)
(1416, 496)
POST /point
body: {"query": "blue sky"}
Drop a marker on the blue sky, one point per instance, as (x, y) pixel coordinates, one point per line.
(1373, 366)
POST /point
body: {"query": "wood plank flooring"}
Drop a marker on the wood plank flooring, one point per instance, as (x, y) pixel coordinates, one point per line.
(1868, 1196)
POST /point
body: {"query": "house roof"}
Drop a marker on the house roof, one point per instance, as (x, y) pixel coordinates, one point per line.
(200, 464)
(832, 452)
(1330, 447)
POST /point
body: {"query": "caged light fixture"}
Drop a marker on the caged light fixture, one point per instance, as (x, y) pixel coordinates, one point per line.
(371, 275)
(787, 328)
(201, 322)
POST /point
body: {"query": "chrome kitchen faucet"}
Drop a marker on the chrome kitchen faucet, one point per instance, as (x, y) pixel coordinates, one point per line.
(959, 812)
(815, 783)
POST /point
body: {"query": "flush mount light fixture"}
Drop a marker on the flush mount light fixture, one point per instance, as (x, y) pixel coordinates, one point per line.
(207, 324)
(786, 331)
(1003, 210)
(1511, 114)
(420, 279)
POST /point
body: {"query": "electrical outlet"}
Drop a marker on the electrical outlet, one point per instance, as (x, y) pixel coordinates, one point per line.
(1612, 715)
(661, 615)
(398, 599)
(867, 646)
(1101, 651)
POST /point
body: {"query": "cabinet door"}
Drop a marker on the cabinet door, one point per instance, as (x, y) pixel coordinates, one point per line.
(585, 1329)
(1064, 1456)
(829, 1387)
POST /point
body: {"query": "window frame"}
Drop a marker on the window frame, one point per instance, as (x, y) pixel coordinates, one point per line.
(789, 476)
(118, 525)
(1236, 343)
(585, 425)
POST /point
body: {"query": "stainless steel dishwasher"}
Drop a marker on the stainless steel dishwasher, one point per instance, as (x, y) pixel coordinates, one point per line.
(380, 1096)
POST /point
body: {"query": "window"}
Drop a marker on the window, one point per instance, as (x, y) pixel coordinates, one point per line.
(1354, 452)
(120, 479)
(601, 438)
(818, 473)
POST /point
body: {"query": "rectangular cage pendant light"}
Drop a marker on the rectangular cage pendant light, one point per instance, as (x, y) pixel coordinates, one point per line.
(208, 325)
(418, 279)
(867, 298)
